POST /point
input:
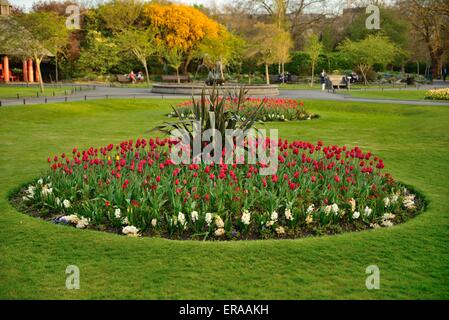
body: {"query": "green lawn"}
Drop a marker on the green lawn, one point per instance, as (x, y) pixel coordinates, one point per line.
(413, 258)
(11, 91)
(388, 94)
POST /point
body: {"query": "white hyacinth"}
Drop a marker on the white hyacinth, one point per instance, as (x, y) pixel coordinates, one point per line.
(40, 181)
(270, 223)
(394, 199)
(130, 231)
(327, 209)
(125, 221)
(46, 190)
(208, 218)
(73, 219)
(409, 202)
(386, 202)
(194, 216)
(219, 222)
(309, 219)
(353, 204)
(280, 230)
(83, 223)
(356, 215)
(118, 213)
(219, 232)
(310, 208)
(246, 217)
(335, 208)
(388, 216)
(274, 216)
(66, 204)
(154, 222)
(30, 192)
(58, 202)
(181, 218)
(367, 212)
(288, 214)
(387, 223)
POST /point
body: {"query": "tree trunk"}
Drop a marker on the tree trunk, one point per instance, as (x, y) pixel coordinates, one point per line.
(417, 67)
(283, 72)
(187, 63)
(38, 66)
(363, 71)
(177, 75)
(221, 70)
(56, 62)
(435, 59)
(147, 74)
(313, 74)
(267, 73)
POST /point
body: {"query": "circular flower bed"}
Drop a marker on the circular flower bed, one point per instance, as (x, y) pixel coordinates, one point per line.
(273, 109)
(135, 189)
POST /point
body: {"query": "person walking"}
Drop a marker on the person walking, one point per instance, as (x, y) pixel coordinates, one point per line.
(323, 77)
(444, 73)
(132, 77)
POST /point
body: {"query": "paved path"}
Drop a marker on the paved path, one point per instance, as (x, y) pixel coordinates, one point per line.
(106, 92)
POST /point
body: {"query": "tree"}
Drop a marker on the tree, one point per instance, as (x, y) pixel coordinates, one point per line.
(67, 53)
(140, 43)
(46, 35)
(100, 54)
(174, 57)
(290, 15)
(9, 43)
(365, 53)
(261, 46)
(428, 19)
(283, 44)
(223, 50)
(120, 15)
(180, 26)
(313, 48)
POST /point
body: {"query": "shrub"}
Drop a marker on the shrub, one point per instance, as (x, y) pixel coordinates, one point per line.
(438, 94)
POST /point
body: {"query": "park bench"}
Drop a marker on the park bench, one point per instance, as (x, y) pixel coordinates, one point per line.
(123, 79)
(174, 78)
(338, 81)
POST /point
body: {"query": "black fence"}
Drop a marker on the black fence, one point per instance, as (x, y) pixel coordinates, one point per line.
(71, 98)
(50, 91)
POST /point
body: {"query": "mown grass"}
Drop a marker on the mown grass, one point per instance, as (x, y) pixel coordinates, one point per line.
(14, 92)
(413, 258)
(388, 94)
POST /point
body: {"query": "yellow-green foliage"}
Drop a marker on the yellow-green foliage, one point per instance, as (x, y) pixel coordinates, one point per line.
(438, 94)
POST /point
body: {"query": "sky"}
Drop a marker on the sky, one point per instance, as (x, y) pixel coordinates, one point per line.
(29, 3)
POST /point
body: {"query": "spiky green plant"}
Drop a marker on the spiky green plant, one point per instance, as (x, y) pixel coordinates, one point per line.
(207, 105)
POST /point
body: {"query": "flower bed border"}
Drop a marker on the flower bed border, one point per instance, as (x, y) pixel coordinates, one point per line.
(15, 199)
